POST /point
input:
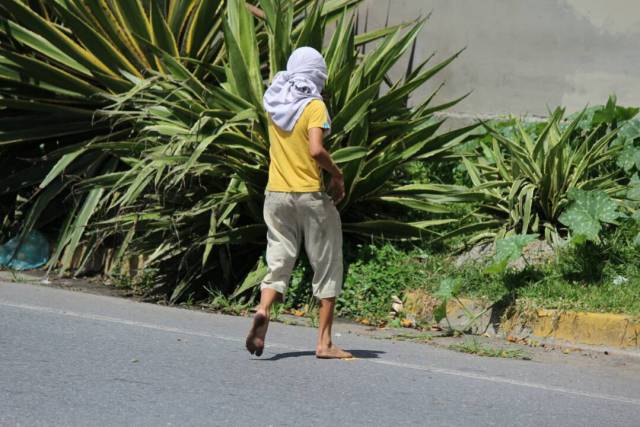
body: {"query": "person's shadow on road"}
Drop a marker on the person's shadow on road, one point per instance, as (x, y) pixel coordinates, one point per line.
(358, 354)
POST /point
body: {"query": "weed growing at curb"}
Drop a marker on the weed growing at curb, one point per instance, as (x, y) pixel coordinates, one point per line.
(223, 304)
(139, 284)
(422, 337)
(474, 347)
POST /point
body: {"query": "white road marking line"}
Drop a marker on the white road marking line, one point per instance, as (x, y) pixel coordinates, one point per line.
(502, 380)
(98, 317)
(425, 368)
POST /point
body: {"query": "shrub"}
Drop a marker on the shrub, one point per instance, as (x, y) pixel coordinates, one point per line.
(526, 173)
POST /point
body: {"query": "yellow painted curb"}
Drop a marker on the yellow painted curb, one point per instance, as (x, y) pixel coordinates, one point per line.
(602, 329)
(615, 330)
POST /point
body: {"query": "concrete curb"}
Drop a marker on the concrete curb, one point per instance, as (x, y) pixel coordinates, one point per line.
(566, 327)
(602, 329)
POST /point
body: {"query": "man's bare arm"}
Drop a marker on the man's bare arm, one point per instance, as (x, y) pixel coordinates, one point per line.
(322, 156)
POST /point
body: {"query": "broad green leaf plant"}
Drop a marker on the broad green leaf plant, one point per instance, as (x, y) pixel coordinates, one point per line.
(586, 214)
(508, 250)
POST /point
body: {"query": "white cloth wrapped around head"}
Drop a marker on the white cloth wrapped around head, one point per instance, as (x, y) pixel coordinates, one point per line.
(292, 90)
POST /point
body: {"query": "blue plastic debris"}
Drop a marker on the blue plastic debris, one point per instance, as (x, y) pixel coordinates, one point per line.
(32, 253)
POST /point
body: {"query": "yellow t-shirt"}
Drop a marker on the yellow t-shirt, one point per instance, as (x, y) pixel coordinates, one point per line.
(292, 169)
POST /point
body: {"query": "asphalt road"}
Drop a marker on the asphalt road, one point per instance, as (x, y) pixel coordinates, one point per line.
(75, 359)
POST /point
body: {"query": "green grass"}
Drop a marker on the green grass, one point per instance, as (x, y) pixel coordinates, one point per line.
(16, 277)
(586, 278)
(551, 287)
(220, 303)
(474, 347)
(375, 275)
(422, 338)
(563, 295)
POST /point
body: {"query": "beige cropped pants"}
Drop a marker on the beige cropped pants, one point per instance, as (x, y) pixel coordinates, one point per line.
(310, 217)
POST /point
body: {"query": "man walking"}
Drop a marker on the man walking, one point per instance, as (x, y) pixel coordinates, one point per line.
(296, 206)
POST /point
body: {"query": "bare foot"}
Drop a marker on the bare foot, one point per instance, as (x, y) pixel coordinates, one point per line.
(255, 339)
(332, 352)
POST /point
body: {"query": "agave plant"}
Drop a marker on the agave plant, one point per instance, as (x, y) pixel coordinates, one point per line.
(183, 184)
(527, 175)
(59, 59)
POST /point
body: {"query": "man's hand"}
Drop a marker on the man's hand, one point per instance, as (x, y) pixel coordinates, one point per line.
(336, 188)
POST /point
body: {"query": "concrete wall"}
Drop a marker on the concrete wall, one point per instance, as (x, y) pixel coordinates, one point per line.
(525, 56)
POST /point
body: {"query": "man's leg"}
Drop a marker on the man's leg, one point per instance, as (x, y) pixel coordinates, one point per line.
(325, 348)
(282, 250)
(323, 244)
